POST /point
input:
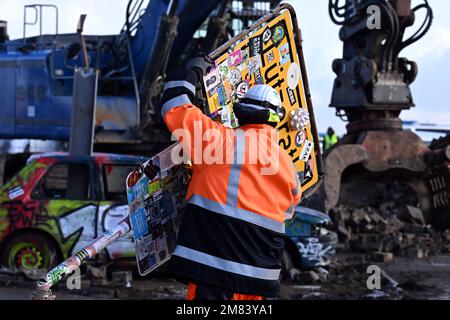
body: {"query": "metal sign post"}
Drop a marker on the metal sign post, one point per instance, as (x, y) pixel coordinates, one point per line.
(83, 103)
(43, 292)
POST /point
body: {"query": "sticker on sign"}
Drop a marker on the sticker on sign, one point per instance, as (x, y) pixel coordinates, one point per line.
(15, 193)
(306, 151)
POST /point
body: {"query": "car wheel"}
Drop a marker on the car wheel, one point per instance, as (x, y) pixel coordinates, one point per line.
(32, 253)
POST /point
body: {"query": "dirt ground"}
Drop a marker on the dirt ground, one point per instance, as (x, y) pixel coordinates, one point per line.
(402, 279)
(416, 278)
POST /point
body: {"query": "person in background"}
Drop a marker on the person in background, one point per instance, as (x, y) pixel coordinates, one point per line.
(330, 139)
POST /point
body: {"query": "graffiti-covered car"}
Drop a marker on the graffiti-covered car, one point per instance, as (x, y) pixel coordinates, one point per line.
(57, 204)
(309, 241)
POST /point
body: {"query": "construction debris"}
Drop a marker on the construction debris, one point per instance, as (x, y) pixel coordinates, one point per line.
(382, 257)
(387, 231)
(124, 278)
(315, 276)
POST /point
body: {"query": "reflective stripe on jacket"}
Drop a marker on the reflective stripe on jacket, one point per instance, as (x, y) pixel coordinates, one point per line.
(238, 189)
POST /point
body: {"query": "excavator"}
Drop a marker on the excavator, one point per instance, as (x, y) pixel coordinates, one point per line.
(371, 89)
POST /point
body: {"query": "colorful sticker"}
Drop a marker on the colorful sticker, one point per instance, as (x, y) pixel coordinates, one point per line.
(154, 187)
(139, 223)
(215, 114)
(225, 116)
(241, 66)
(254, 64)
(140, 189)
(270, 57)
(216, 102)
(144, 185)
(234, 76)
(258, 77)
(267, 35)
(235, 58)
(141, 250)
(255, 46)
(212, 80)
(285, 55)
(293, 76)
(166, 159)
(300, 139)
(223, 69)
(162, 255)
(153, 212)
(234, 121)
(245, 54)
(301, 176)
(221, 92)
(15, 193)
(308, 175)
(151, 260)
(306, 151)
(278, 34)
(291, 95)
(227, 86)
(241, 89)
(212, 92)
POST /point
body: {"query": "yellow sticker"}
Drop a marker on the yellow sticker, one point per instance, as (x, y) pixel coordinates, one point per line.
(154, 186)
(215, 105)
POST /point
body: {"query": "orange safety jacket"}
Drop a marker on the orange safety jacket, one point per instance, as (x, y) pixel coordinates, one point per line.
(245, 184)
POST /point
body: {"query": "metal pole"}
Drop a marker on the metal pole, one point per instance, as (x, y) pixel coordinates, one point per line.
(83, 103)
(82, 41)
(40, 20)
(24, 23)
(57, 19)
(83, 112)
(42, 290)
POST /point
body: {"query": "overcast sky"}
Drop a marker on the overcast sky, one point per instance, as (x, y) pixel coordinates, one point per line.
(431, 90)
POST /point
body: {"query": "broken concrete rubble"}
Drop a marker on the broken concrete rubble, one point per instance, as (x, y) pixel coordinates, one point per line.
(124, 278)
(391, 229)
(316, 276)
(415, 214)
(382, 257)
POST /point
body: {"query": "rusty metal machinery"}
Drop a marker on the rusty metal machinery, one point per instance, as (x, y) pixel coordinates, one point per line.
(372, 83)
(371, 89)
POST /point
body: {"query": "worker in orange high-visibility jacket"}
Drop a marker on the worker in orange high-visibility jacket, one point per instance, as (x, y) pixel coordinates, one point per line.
(231, 237)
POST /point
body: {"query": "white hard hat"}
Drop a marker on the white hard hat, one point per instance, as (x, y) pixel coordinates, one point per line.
(265, 95)
(261, 104)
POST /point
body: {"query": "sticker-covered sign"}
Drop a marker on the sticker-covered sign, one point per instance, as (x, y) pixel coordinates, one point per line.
(274, 58)
(156, 204)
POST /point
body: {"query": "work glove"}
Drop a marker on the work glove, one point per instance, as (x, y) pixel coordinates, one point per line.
(201, 65)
